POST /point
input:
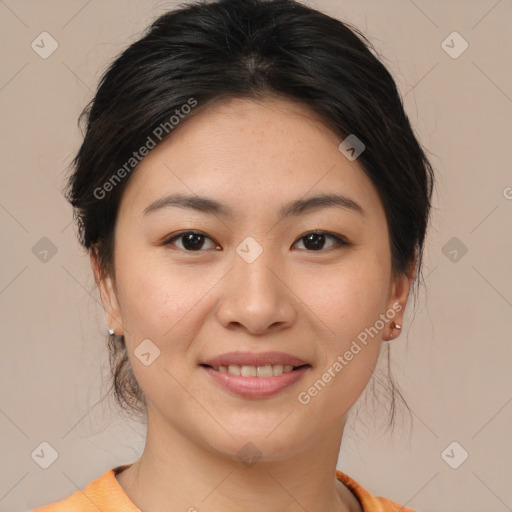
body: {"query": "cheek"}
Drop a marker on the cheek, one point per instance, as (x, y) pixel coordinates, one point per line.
(349, 305)
(162, 305)
(159, 301)
(347, 298)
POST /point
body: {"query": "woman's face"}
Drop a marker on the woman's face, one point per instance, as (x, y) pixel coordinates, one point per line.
(253, 281)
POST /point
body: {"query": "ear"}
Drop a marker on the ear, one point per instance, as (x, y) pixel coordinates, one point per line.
(108, 295)
(397, 300)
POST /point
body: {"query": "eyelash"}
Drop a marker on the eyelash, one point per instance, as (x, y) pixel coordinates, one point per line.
(340, 241)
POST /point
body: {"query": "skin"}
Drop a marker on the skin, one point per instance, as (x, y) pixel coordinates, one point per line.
(253, 157)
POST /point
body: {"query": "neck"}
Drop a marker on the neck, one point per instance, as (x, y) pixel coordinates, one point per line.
(175, 473)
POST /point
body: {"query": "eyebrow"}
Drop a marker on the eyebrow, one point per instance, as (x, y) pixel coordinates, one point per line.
(298, 207)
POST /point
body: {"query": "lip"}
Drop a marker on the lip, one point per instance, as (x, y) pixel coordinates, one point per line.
(255, 387)
(253, 359)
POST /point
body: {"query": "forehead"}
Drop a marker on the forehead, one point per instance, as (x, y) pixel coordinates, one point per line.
(245, 152)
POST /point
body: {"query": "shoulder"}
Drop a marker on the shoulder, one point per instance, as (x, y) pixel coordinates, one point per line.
(369, 502)
(104, 493)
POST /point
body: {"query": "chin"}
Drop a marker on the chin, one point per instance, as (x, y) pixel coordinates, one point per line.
(268, 442)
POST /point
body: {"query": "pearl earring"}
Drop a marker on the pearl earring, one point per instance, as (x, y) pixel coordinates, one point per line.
(110, 331)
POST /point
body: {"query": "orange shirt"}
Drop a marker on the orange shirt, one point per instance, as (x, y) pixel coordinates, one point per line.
(107, 495)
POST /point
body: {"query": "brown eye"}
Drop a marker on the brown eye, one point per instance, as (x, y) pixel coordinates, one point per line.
(191, 241)
(316, 240)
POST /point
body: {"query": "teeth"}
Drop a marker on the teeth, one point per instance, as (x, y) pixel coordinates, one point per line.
(277, 369)
(267, 370)
(248, 371)
(234, 369)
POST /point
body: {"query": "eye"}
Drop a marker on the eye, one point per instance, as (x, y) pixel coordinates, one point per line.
(192, 241)
(315, 240)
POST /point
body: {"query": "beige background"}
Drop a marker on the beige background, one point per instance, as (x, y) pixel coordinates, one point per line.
(453, 359)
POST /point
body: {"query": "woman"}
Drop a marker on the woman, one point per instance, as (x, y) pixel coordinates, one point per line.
(255, 204)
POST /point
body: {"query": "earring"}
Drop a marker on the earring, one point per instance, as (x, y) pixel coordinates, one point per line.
(110, 331)
(394, 325)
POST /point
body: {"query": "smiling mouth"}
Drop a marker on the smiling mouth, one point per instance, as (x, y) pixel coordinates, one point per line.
(263, 371)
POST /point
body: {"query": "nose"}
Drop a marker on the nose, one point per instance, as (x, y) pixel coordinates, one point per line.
(257, 296)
